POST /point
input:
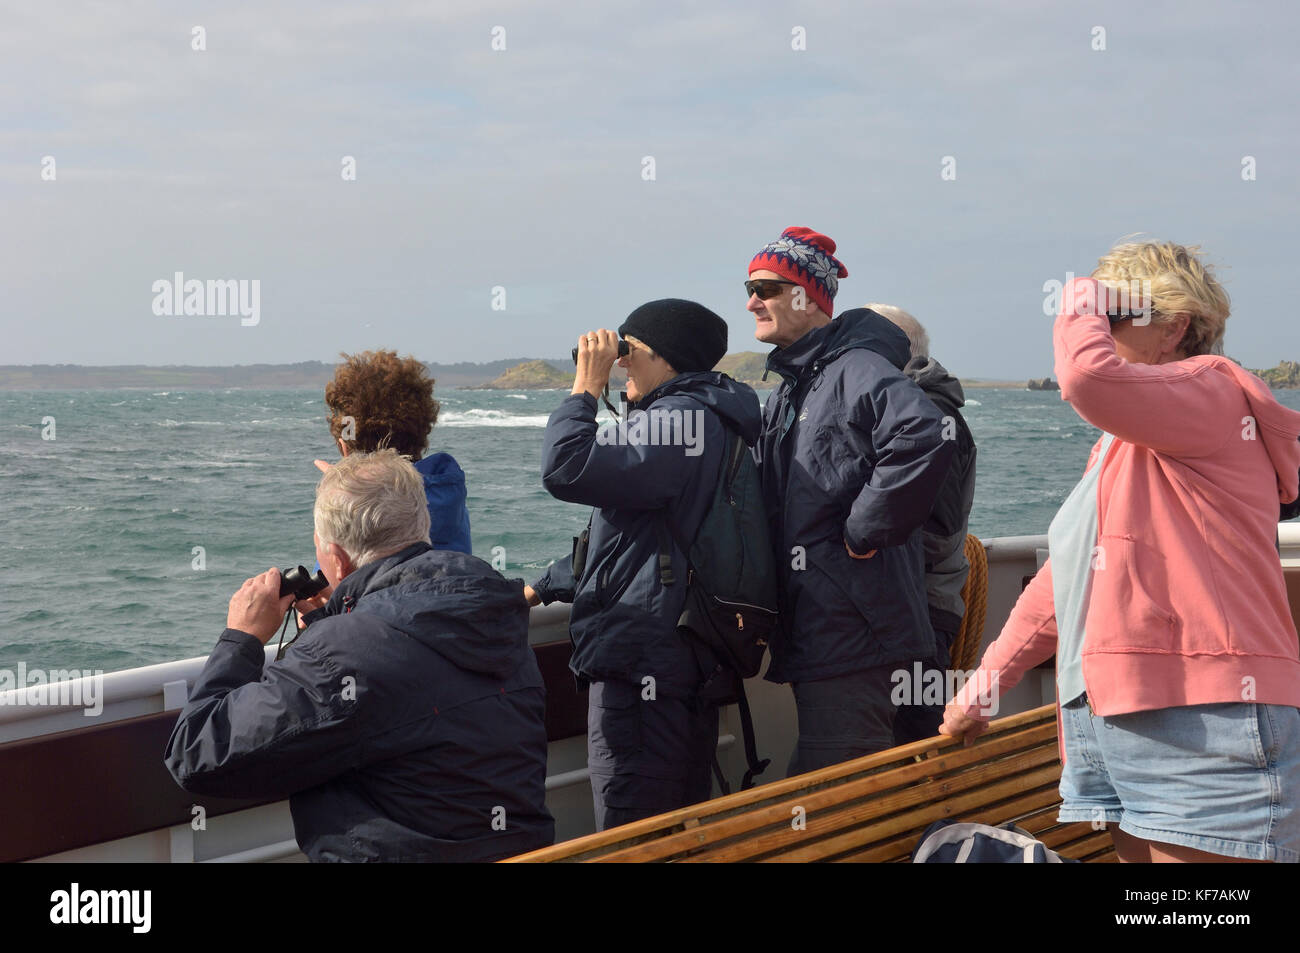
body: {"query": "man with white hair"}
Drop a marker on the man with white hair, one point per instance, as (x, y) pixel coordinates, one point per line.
(407, 721)
(944, 533)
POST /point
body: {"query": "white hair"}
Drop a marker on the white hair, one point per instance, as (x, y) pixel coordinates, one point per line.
(372, 505)
(916, 335)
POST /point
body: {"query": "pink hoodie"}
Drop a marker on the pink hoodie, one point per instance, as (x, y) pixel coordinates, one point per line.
(1188, 603)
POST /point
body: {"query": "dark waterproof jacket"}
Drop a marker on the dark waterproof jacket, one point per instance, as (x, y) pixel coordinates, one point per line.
(943, 536)
(852, 452)
(407, 722)
(624, 620)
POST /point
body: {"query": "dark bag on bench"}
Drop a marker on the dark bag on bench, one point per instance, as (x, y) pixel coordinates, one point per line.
(956, 842)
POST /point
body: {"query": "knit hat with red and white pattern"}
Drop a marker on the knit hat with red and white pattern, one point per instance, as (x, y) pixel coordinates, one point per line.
(804, 257)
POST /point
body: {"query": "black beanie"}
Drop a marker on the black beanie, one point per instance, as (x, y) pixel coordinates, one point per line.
(687, 335)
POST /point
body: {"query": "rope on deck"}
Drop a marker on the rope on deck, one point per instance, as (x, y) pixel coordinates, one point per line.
(975, 593)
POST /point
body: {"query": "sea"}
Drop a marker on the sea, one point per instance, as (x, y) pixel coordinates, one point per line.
(130, 517)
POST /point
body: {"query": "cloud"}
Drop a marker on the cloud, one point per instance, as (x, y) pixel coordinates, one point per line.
(524, 167)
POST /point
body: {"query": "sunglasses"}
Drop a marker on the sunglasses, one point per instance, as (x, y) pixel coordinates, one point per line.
(1116, 317)
(766, 287)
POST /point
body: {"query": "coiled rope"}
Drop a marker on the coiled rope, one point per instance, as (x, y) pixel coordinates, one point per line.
(965, 648)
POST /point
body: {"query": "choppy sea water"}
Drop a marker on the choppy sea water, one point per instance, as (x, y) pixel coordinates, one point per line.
(99, 526)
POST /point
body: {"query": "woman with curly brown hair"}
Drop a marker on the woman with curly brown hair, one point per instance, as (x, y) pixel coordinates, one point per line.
(376, 400)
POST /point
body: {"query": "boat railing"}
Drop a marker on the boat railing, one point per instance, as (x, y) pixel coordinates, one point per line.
(78, 707)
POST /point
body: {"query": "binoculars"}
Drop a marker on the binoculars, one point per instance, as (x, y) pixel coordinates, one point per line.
(623, 350)
(301, 583)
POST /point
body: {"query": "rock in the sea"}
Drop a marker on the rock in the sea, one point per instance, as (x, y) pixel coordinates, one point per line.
(530, 375)
(1286, 376)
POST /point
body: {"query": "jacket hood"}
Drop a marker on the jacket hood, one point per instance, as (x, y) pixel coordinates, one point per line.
(1276, 426)
(734, 402)
(439, 470)
(454, 603)
(933, 378)
(860, 327)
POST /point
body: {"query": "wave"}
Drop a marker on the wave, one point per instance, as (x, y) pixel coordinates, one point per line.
(972, 403)
(491, 418)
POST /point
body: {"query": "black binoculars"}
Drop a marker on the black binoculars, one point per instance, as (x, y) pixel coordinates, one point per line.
(623, 350)
(301, 583)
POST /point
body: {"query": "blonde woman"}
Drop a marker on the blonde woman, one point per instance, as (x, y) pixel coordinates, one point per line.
(1163, 600)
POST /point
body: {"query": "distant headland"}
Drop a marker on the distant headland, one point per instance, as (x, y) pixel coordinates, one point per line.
(1285, 376)
(519, 373)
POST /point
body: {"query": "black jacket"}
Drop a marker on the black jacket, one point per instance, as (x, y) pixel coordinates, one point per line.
(407, 723)
(852, 452)
(624, 620)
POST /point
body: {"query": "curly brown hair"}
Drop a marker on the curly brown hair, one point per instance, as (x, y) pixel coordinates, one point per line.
(389, 399)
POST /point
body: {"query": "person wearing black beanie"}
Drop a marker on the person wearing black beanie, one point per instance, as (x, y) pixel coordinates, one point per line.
(651, 735)
(687, 335)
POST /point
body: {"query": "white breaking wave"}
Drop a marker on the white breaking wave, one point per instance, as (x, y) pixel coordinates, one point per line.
(491, 418)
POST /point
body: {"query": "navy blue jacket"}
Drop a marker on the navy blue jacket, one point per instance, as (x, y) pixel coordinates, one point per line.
(624, 620)
(852, 452)
(407, 722)
(444, 488)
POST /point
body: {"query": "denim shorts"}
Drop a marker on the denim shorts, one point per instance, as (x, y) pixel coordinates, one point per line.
(1222, 778)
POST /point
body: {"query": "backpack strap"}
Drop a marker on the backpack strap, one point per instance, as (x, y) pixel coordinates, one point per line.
(666, 577)
(731, 460)
(751, 748)
(664, 528)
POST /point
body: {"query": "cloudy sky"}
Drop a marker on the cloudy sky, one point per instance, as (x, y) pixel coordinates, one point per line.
(525, 168)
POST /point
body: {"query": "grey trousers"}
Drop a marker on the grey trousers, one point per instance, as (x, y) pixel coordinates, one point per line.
(842, 718)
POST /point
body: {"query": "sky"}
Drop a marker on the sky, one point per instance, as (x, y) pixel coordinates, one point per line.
(526, 172)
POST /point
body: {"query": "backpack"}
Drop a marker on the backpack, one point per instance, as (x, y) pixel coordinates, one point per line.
(954, 842)
(730, 612)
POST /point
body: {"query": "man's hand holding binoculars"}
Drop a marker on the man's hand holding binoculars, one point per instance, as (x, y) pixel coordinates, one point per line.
(258, 608)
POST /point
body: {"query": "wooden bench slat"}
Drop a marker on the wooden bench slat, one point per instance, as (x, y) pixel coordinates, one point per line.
(587, 847)
(1040, 820)
(779, 814)
(1079, 849)
(873, 809)
(920, 817)
(900, 848)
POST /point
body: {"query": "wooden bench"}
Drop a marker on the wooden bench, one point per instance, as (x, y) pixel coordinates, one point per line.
(872, 809)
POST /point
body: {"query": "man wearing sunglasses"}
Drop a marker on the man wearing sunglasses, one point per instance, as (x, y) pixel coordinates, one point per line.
(852, 457)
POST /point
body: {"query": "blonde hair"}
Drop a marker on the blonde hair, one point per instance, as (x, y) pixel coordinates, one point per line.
(372, 505)
(916, 336)
(1180, 284)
